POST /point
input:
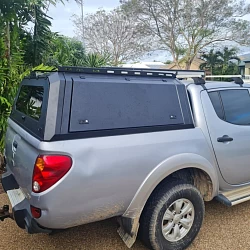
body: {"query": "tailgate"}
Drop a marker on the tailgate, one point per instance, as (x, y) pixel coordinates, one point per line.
(21, 155)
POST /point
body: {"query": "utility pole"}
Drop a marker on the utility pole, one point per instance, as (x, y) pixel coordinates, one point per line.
(82, 10)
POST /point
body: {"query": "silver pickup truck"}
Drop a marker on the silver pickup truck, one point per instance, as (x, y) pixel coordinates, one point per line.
(85, 145)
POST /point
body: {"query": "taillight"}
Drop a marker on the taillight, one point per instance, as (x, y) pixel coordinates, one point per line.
(36, 212)
(48, 170)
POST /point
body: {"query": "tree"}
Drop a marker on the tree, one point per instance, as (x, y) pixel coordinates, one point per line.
(211, 61)
(221, 62)
(19, 48)
(41, 33)
(185, 27)
(228, 58)
(65, 51)
(112, 33)
(95, 60)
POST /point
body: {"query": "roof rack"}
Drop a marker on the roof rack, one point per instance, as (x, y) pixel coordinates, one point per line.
(118, 71)
(135, 72)
(199, 81)
(238, 80)
(190, 74)
(202, 82)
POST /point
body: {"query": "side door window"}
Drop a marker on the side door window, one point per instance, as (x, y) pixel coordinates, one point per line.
(236, 105)
(216, 101)
(232, 106)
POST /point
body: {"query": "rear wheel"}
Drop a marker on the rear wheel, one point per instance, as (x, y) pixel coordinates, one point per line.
(172, 217)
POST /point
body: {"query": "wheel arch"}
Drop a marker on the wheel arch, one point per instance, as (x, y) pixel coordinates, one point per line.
(193, 168)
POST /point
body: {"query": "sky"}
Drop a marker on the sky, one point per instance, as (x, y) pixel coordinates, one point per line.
(62, 13)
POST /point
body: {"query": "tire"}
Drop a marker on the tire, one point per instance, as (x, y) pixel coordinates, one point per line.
(169, 197)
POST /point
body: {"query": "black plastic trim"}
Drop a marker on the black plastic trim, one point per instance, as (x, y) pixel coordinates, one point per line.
(116, 132)
(25, 221)
(9, 182)
(21, 212)
(127, 224)
(221, 198)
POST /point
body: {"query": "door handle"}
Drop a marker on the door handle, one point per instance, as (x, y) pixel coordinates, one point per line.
(15, 144)
(225, 138)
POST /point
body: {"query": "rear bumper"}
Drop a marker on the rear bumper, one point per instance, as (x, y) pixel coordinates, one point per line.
(21, 211)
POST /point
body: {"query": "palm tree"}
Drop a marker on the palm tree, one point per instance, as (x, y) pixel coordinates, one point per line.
(95, 60)
(211, 60)
(227, 56)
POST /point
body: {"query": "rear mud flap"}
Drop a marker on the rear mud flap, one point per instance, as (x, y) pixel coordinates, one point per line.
(128, 230)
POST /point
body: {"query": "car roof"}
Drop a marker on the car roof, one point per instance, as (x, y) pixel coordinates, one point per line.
(217, 84)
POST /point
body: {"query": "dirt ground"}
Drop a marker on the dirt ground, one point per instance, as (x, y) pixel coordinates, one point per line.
(1, 188)
(224, 228)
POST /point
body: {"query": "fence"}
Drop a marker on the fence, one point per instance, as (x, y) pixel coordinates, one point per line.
(221, 77)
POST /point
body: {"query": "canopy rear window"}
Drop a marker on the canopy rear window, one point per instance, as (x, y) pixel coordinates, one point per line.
(30, 101)
(30, 108)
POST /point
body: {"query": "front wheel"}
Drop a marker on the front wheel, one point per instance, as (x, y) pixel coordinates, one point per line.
(172, 216)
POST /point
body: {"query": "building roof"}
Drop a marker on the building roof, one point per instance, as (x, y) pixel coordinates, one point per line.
(154, 65)
(196, 62)
(151, 65)
(135, 65)
(244, 58)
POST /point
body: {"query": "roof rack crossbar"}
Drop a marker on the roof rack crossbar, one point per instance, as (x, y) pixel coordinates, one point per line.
(238, 80)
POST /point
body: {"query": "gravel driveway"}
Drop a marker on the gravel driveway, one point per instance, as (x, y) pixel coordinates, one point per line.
(224, 228)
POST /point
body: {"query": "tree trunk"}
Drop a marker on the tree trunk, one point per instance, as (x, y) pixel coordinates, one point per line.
(189, 62)
(7, 43)
(188, 65)
(82, 20)
(176, 62)
(35, 38)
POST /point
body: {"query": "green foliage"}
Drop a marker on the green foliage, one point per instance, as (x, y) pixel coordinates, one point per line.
(43, 67)
(4, 113)
(95, 60)
(168, 62)
(221, 62)
(42, 33)
(65, 51)
(10, 77)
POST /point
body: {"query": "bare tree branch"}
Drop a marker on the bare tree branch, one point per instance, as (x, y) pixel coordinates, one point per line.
(113, 33)
(185, 27)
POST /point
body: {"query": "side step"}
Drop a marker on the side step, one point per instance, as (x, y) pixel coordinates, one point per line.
(234, 197)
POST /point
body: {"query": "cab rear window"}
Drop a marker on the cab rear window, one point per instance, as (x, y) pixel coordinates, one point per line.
(30, 101)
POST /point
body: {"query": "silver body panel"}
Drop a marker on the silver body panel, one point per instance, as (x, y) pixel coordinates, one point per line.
(107, 172)
(233, 157)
